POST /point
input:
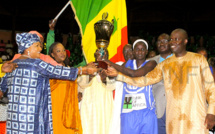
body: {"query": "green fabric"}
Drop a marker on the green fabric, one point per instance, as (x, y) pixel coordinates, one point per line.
(83, 63)
(88, 14)
(49, 40)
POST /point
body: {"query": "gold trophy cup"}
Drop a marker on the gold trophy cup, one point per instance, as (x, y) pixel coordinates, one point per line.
(103, 29)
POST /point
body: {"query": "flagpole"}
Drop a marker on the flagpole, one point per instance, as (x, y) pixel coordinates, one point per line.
(61, 11)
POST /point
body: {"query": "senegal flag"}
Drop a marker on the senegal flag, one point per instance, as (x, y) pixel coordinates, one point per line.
(88, 12)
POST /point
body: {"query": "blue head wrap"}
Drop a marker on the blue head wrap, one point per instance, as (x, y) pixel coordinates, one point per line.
(25, 40)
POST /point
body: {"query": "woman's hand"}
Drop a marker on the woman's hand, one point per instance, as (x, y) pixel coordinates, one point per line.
(8, 67)
(91, 69)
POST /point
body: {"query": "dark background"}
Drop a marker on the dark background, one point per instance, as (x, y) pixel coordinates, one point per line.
(145, 16)
(145, 19)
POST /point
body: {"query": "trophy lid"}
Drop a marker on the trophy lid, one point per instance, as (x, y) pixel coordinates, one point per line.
(104, 19)
(103, 29)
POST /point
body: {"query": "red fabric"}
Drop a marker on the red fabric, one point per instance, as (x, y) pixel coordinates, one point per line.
(124, 40)
(3, 127)
(68, 53)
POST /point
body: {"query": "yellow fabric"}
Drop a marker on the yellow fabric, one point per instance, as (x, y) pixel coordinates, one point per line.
(1, 74)
(116, 10)
(96, 105)
(188, 83)
(65, 110)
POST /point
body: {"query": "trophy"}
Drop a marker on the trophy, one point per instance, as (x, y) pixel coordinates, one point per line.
(103, 29)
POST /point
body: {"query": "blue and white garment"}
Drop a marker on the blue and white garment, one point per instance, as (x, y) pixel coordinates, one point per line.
(30, 108)
(138, 107)
(25, 40)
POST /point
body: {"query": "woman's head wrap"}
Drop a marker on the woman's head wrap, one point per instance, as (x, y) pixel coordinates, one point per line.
(35, 32)
(25, 40)
(140, 40)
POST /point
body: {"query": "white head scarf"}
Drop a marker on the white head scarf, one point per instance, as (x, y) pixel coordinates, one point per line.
(140, 40)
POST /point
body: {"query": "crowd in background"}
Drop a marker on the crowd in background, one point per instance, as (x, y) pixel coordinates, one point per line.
(7, 49)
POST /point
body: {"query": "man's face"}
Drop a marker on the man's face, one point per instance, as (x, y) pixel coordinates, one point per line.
(128, 52)
(177, 42)
(163, 44)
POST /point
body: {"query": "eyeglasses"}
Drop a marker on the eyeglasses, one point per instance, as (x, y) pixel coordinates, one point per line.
(164, 41)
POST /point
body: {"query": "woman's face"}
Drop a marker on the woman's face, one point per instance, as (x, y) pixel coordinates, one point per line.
(34, 50)
(59, 53)
(140, 51)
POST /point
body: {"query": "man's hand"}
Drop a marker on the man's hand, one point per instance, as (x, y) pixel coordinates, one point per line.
(112, 72)
(103, 75)
(210, 121)
(79, 96)
(8, 67)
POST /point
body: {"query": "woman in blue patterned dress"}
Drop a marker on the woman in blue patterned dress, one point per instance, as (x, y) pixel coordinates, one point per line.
(29, 108)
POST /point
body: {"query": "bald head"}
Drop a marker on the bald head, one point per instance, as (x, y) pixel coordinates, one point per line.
(127, 46)
(182, 31)
(128, 52)
(178, 42)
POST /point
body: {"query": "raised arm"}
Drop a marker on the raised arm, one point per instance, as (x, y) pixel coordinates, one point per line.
(152, 77)
(51, 35)
(149, 66)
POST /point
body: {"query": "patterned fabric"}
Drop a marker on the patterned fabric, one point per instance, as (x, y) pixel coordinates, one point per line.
(43, 57)
(25, 40)
(29, 108)
(138, 107)
(37, 33)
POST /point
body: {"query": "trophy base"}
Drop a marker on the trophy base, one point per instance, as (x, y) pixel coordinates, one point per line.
(101, 64)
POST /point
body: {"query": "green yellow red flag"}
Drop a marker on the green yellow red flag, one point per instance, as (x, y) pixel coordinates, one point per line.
(88, 12)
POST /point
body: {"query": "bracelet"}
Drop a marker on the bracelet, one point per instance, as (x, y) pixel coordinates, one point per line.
(80, 70)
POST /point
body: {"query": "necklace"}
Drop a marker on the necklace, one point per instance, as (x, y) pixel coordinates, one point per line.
(26, 56)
